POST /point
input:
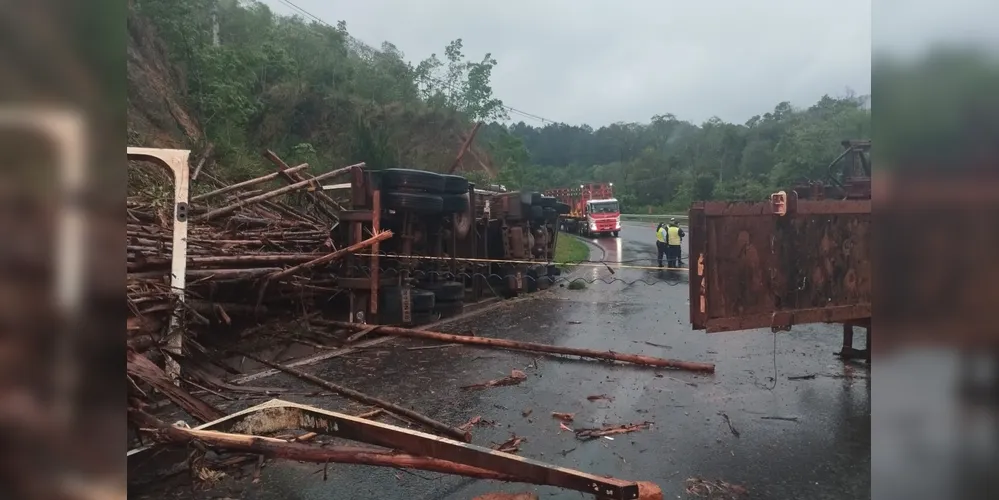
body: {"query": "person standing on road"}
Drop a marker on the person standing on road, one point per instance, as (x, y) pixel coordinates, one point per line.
(674, 236)
(661, 243)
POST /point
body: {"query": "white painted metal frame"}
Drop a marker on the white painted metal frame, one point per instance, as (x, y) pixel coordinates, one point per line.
(176, 161)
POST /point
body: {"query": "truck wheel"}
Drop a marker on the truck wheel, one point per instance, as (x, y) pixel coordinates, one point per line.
(447, 291)
(454, 203)
(615, 233)
(421, 180)
(414, 202)
(455, 184)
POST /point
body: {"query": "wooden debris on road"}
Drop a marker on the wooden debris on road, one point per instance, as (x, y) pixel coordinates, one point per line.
(534, 347)
(728, 421)
(598, 397)
(467, 426)
(715, 490)
(610, 430)
(511, 445)
(565, 417)
(516, 377)
(370, 400)
(140, 367)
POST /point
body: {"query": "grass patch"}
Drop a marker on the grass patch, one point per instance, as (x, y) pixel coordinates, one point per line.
(569, 251)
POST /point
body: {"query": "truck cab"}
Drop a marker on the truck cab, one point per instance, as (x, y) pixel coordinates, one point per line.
(602, 217)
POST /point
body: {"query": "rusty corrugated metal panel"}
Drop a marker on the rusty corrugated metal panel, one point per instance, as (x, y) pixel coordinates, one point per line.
(751, 268)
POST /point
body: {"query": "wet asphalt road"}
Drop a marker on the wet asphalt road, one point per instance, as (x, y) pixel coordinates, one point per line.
(820, 449)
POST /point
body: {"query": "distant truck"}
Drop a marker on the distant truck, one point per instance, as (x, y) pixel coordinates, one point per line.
(593, 210)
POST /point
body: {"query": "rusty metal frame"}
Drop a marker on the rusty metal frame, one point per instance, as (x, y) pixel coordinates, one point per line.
(175, 161)
(758, 272)
(278, 415)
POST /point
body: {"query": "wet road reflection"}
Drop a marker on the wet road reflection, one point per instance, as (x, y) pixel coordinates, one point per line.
(805, 438)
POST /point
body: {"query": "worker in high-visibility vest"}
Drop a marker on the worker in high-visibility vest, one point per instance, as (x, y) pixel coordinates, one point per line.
(674, 236)
(661, 243)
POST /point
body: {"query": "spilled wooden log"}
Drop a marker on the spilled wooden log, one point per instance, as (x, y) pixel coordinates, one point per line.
(239, 185)
(637, 359)
(366, 399)
(228, 209)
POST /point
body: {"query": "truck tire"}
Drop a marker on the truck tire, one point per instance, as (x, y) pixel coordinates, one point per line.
(531, 198)
(548, 201)
(449, 309)
(537, 212)
(447, 291)
(391, 300)
(417, 180)
(615, 233)
(454, 203)
(563, 208)
(549, 213)
(414, 202)
(455, 184)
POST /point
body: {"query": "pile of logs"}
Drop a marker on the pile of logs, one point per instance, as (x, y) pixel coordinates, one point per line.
(249, 248)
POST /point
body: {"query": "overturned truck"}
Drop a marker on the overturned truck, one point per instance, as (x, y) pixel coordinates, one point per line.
(802, 257)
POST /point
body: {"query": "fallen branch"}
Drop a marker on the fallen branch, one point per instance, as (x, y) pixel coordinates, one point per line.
(516, 377)
(369, 400)
(611, 430)
(533, 347)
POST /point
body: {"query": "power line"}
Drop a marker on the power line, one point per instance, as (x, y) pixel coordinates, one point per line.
(438, 81)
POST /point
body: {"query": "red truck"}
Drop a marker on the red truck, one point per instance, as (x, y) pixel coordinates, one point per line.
(593, 210)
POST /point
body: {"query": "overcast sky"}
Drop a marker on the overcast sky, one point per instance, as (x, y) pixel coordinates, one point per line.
(602, 61)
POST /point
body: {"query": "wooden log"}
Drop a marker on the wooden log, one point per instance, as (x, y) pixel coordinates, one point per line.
(140, 367)
(331, 210)
(330, 257)
(247, 183)
(273, 194)
(369, 400)
(209, 273)
(298, 451)
(532, 347)
(464, 147)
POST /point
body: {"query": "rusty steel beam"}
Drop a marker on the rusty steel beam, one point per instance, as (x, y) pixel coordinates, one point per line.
(277, 415)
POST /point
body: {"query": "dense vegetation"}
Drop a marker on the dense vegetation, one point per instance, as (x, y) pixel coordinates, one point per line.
(312, 93)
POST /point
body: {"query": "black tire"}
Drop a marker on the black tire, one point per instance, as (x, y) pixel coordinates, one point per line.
(449, 309)
(548, 201)
(544, 283)
(563, 208)
(531, 198)
(554, 270)
(550, 213)
(615, 234)
(391, 300)
(537, 212)
(448, 291)
(420, 180)
(454, 203)
(414, 202)
(455, 184)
